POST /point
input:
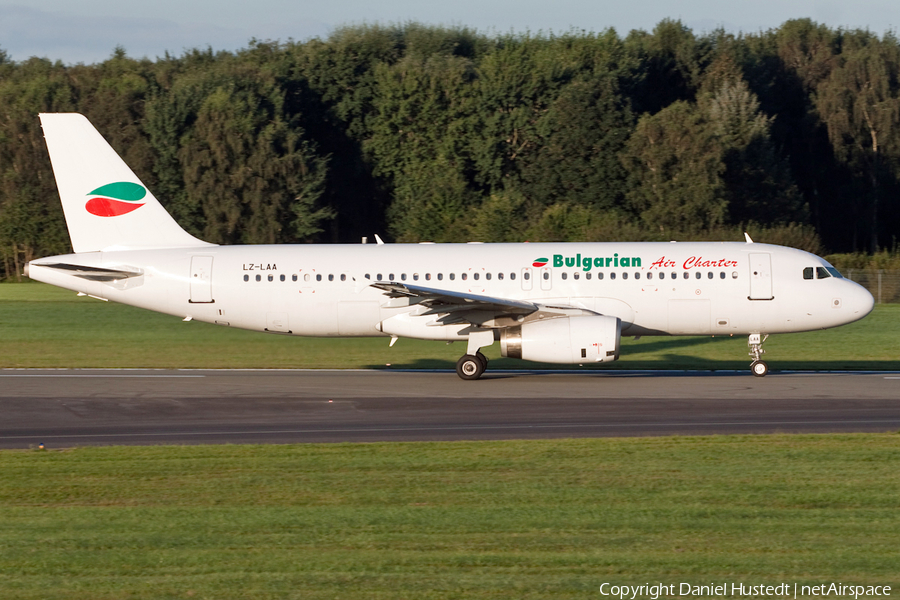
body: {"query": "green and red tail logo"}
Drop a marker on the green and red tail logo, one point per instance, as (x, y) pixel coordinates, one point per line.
(539, 262)
(115, 199)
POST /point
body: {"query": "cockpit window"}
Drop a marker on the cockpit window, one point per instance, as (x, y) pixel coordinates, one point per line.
(834, 272)
(822, 273)
(808, 273)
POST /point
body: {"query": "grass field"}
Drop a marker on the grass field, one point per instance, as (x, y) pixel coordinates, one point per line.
(512, 519)
(43, 326)
(535, 519)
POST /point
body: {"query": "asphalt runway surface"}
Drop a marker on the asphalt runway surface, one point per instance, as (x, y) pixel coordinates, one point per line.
(63, 408)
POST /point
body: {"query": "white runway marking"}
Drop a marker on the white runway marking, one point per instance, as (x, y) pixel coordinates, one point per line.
(435, 429)
(59, 376)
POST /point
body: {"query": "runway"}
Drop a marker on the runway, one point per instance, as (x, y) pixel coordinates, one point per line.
(63, 408)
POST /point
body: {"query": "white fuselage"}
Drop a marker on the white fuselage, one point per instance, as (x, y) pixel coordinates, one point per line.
(324, 290)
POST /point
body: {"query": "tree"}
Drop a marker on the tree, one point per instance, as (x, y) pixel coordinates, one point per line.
(675, 163)
(255, 177)
(757, 182)
(860, 104)
(31, 218)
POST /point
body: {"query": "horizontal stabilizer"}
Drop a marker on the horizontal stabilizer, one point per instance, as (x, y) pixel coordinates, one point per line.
(93, 273)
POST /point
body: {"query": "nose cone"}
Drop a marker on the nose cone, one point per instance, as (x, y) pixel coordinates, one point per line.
(858, 302)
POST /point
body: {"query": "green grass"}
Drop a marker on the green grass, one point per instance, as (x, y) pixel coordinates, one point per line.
(43, 326)
(518, 519)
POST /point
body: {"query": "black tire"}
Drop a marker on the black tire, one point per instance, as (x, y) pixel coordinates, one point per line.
(469, 367)
(759, 368)
(482, 358)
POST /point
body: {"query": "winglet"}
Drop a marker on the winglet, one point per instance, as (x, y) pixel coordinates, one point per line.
(747, 237)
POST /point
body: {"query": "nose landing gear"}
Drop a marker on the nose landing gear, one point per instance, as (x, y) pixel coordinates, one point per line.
(758, 367)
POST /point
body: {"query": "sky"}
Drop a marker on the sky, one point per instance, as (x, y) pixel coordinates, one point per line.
(88, 31)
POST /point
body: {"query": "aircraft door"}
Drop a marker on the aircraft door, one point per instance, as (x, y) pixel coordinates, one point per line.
(546, 278)
(527, 281)
(201, 280)
(761, 276)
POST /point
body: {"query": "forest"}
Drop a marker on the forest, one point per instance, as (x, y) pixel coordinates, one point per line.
(423, 133)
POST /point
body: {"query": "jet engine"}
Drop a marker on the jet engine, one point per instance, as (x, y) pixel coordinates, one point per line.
(569, 340)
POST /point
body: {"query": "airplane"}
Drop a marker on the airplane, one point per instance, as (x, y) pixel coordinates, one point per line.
(567, 303)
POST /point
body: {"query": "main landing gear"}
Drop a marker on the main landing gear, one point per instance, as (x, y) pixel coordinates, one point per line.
(471, 367)
(758, 367)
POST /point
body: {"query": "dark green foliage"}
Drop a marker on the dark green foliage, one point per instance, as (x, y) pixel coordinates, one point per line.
(446, 134)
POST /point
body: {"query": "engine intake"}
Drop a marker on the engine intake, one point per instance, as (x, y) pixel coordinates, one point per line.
(568, 340)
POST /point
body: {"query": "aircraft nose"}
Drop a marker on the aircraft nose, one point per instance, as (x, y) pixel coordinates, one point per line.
(857, 300)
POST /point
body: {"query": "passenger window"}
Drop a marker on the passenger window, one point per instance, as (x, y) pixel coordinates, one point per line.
(587, 276)
(808, 273)
(822, 273)
(403, 276)
(306, 277)
(390, 277)
(452, 276)
(687, 275)
(271, 277)
(512, 276)
(649, 275)
(464, 276)
(576, 275)
(722, 275)
(526, 275)
(487, 276)
(546, 275)
(500, 276)
(415, 276)
(475, 276)
(698, 275)
(330, 277)
(294, 277)
(674, 275)
(281, 277)
(318, 277)
(343, 277)
(734, 274)
(368, 277)
(259, 277)
(427, 276)
(246, 278)
(440, 276)
(624, 275)
(637, 275)
(378, 277)
(612, 275)
(564, 276)
(709, 275)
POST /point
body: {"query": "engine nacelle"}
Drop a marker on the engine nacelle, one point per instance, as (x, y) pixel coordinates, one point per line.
(569, 340)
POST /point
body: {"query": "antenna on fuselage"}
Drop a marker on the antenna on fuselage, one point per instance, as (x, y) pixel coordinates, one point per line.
(747, 237)
(379, 240)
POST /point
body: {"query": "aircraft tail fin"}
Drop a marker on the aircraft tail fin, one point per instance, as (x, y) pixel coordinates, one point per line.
(105, 204)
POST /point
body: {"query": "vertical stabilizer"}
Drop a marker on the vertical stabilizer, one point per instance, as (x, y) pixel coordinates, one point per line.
(106, 206)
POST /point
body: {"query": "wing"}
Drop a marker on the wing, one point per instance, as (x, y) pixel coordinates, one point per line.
(460, 307)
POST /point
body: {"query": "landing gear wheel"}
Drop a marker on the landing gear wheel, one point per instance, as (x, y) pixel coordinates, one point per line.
(759, 368)
(469, 367)
(482, 358)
